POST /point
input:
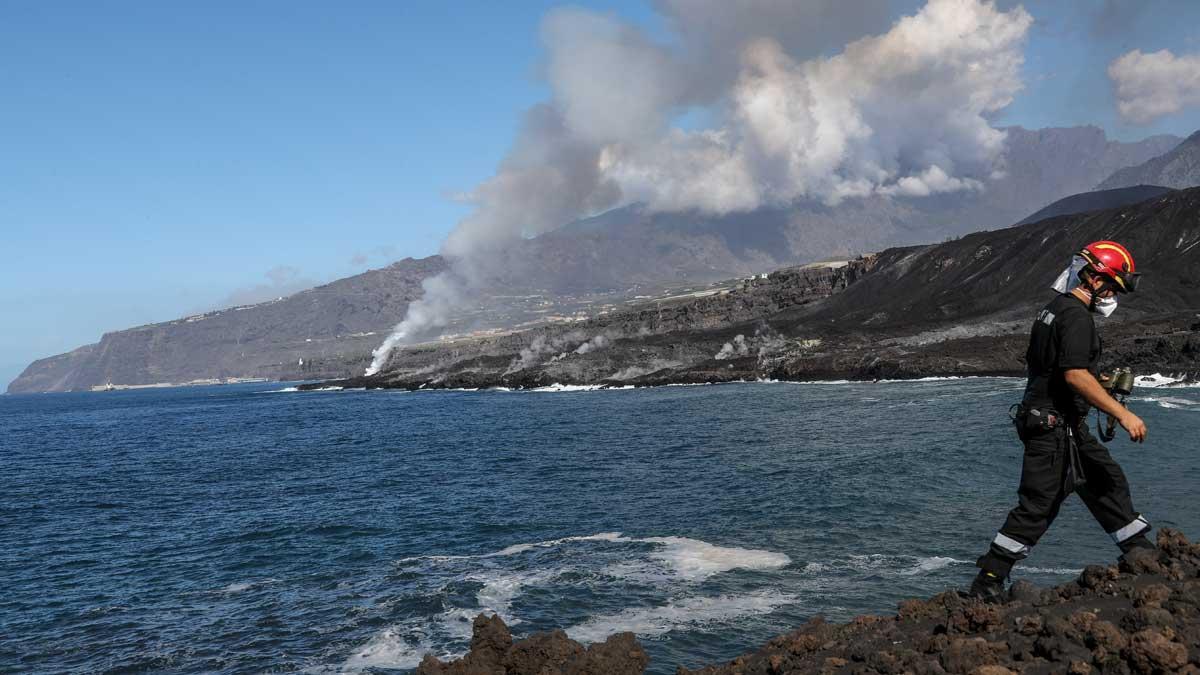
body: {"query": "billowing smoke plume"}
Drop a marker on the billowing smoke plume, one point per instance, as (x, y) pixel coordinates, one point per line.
(792, 116)
(1150, 86)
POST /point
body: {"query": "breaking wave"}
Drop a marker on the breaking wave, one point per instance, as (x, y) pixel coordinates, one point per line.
(1158, 380)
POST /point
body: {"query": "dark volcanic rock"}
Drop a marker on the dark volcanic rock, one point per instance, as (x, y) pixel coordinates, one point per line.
(1097, 200)
(493, 652)
(1108, 621)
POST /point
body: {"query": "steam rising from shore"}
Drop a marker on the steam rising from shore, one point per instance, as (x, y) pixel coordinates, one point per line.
(902, 113)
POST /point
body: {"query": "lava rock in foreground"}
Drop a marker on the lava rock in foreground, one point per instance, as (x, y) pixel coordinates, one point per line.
(1141, 617)
(493, 652)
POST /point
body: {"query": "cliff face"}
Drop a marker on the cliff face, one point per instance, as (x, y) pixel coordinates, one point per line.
(1179, 168)
(1141, 617)
(281, 339)
(957, 308)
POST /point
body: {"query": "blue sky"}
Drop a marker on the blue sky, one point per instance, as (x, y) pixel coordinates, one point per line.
(158, 159)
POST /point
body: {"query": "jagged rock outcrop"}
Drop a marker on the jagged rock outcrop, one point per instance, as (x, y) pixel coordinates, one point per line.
(1141, 617)
(493, 652)
(1179, 168)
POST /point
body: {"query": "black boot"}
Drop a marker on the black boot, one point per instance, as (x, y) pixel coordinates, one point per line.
(988, 586)
(1139, 556)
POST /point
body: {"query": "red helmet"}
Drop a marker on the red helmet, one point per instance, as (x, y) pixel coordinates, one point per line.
(1113, 262)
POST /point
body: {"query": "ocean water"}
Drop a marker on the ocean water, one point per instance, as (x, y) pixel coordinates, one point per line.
(248, 529)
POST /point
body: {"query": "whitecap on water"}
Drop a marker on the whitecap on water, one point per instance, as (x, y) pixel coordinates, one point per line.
(680, 613)
(394, 647)
(886, 565)
(1158, 380)
(245, 586)
(1049, 570)
(695, 560)
(932, 563)
(559, 388)
(1169, 402)
(945, 378)
(520, 548)
(501, 588)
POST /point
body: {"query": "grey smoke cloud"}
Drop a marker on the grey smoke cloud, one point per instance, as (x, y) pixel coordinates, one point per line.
(714, 32)
(903, 111)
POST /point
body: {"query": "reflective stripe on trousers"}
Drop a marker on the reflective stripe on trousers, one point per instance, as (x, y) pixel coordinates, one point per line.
(1010, 545)
(1138, 526)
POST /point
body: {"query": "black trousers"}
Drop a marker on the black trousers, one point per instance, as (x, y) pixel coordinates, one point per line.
(1048, 478)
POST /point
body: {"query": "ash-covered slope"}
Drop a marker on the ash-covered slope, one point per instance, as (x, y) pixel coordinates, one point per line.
(960, 307)
(1179, 168)
(1141, 617)
(1097, 200)
(1005, 271)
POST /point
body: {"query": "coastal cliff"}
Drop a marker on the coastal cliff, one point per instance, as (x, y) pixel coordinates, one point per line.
(1139, 617)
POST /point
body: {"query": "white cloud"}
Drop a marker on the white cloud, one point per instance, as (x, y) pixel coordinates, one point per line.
(1150, 86)
(903, 113)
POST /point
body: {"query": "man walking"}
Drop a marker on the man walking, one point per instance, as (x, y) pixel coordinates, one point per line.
(1061, 455)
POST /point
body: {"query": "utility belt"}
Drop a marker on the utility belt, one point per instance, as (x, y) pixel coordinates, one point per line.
(1032, 422)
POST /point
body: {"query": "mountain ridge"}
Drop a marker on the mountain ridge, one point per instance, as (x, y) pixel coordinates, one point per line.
(1179, 168)
(1097, 200)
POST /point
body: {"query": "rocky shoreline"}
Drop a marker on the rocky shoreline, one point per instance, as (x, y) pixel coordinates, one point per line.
(1139, 617)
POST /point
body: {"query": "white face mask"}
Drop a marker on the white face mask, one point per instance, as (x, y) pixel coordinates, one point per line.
(1106, 306)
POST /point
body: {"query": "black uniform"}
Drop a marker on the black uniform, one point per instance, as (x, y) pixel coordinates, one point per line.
(1051, 418)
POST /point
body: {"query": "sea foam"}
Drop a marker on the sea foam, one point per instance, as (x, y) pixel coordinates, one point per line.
(679, 613)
